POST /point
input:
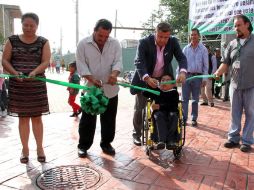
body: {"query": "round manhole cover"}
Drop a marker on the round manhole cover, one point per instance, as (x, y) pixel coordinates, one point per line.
(69, 177)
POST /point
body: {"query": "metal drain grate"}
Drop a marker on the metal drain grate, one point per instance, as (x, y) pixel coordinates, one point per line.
(70, 177)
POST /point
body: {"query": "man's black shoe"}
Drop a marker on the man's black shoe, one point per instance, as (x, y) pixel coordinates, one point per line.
(108, 149)
(225, 99)
(204, 104)
(194, 123)
(245, 148)
(212, 104)
(82, 153)
(217, 96)
(230, 144)
(137, 141)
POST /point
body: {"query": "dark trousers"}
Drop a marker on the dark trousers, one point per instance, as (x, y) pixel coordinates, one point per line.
(140, 104)
(226, 90)
(166, 126)
(87, 126)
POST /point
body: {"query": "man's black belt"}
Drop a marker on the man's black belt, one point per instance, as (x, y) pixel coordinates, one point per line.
(194, 74)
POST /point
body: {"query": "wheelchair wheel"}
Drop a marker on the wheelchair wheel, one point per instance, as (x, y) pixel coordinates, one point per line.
(177, 153)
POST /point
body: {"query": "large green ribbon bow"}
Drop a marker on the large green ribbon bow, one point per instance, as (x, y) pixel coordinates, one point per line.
(94, 102)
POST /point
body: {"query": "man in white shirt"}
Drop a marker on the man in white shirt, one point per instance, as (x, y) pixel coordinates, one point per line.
(99, 61)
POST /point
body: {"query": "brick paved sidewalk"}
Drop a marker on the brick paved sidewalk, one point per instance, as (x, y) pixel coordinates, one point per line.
(205, 163)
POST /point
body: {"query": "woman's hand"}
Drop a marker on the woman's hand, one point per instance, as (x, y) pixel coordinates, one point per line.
(32, 74)
(19, 78)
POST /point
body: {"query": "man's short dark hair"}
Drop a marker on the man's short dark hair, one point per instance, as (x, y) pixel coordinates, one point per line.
(103, 23)
(32, 16)
(197, 30)
(245, 20)
(163, 27)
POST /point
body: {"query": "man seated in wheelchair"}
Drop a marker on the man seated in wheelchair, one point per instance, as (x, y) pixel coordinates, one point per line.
(165, 114)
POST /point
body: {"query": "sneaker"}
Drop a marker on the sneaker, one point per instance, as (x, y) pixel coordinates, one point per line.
(137, 141)
(245, 148)
(230, 144)
(212, 104)
(204, 104)
(194, 123)
(3, 113)
(160, 145)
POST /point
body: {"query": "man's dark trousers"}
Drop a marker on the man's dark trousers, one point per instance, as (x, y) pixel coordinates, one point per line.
(87, 126)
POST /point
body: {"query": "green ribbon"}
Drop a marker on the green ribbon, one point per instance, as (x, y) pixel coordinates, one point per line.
(93, 102)
(71, 85)
(77, 86)
(139, 88)
(190, 78)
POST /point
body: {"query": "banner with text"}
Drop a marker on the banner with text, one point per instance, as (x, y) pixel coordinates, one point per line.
(216, 16)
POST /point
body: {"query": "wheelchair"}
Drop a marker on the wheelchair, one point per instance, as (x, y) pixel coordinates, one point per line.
(149, 130)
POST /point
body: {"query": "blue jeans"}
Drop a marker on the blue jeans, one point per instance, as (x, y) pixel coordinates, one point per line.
(191, 87)
(241, 100)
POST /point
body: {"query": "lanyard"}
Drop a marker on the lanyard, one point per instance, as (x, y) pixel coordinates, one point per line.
(239, 46)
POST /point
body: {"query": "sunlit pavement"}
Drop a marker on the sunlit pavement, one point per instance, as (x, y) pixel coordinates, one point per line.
(205, 163)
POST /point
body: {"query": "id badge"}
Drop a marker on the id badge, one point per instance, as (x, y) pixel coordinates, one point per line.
(237, 64)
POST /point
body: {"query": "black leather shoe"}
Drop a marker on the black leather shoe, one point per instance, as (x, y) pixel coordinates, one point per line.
(82, 153)
(230, 144)
(108, 149)
(212, 104)
(194, 123)
(225, 100)
(137, 141)
(204, 104)
(245, 148)
(217, 96)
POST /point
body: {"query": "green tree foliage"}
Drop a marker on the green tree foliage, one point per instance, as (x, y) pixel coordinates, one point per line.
(175, 12)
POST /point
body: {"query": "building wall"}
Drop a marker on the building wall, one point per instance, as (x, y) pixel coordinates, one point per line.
(7, 15)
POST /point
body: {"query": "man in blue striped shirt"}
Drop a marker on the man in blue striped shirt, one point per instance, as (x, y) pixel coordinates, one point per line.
(197, 62)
